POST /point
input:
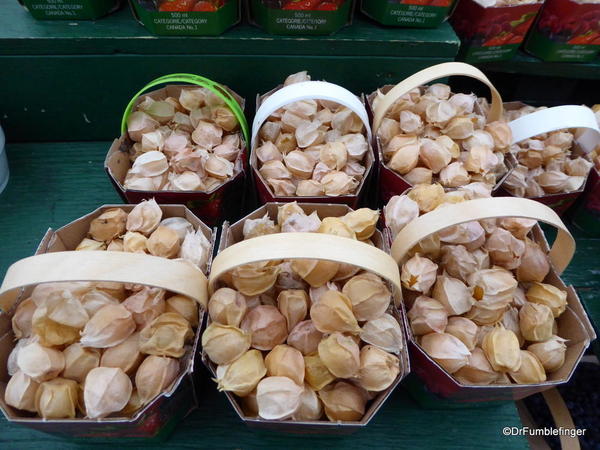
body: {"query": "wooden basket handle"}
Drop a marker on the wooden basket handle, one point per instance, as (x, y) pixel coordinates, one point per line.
(137, 268)
(562, 418)
(431, 74)
(559, 118)
(560, 254)
(305, 246)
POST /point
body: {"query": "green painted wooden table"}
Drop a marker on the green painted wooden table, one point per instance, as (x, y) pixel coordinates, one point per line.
(54, 183)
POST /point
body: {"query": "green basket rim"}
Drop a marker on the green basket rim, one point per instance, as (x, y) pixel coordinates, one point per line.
(218, 89)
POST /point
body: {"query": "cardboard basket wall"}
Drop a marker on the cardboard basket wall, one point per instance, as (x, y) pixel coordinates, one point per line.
(573, 324)
(587, 138)
(224, 201)
(234, 251)
(56, 262)
(70, 9)
(391, 183)
(158, 17)
(309, 90)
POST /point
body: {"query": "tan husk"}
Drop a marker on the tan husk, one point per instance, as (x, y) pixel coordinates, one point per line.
(334, 313)
(293, 304)
(310, 406)
(551, 296)
(427, 315)
(530, 371)
(316, 373)
(340, 354)
(266, 326)
(305, 337)
(242, 375)
(79, 361)
(20, 392)
(285, 361)
(224, 343)
(57, 399)
(378, 369)
(478, 370)
(343, 401)
(277, 397)
(501, 347)
(126, 356)
(155, 375)
(463, 329)
(447, 350)
(227, 306)
(185, 306)
(39, 362)
(536, 322)
(106, 390)
(110, 326)
(383, 332)
(551, 353)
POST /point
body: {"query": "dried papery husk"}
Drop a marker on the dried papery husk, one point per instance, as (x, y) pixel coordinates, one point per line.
(356, 146)
(39, 362)
(501, 348)
(110, 326)
(483, 314)
(51, 333)
(419, 274)
(12, 366)
(229, 149)
(428, 197)
(287, 210)
(504, 249)
(186, 181)
(166, 336)
(144, 217)
(337, 227)
(196, 249)
(134, 242)
(464, 103)
(433, 155)
(249, 404)
(340, 354)
(57, 399)
(454, 175)
(90, 245)
(266, 326)
(463, 329)
(492, 287)
(426, 316)
(337, 183)
(185, 306)
(153, 141)
(268, 152)
(162, 111)
(22, 318)
(139, 123)
(192, 99)
(574, 184)
(510, 321)
(399, 211)
(207, 135)
(285, 361)
(116, 245)
(108, 225)
(578, 167)
(478, 370)
(315, 272)
(550, 353)
(405, 159)
(343, 401)
(457, 261)
(20, 392)
(334, 313)
(447, 350)
(242, 375)
(459, 128)
(79, 361)
(534, 263)
(224, 118)
(368, 294)
(254, 279)
(378, 369)
(139, 182)
(106, 390)
(259, 227)
(519, 227)
(299, 164)
(288, 279)
(309, 188)
(309, 133)
(397, 142)
(164, 242)
(310, 407)
(150, 164)
(286, 142)
(469, 234)
(316, 373)
(551, 296)
(410, 122)
(531, 370)
(126, 356)
(383, 332)
(453, 294)
(440, 113)
(316, 294)
(501, 133)
(305, 337)
(154, 376)
(277, 397)
(145, 305)
(553, 181)
(95, 299)
(362, 222)
(519, 298)
(419, 175)
(133, 405)
(293, 304)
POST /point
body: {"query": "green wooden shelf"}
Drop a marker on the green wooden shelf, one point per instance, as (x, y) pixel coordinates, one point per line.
(52, 184)
(525, 64)
(21, 34)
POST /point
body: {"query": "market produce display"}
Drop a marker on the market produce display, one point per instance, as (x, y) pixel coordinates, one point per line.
(547, 164)
(431, 134)
(188, 143)
(312, 148)
(483, 303)
(305, 339)
(107, 349)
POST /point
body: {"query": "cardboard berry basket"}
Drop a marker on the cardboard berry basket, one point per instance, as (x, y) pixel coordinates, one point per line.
(223, 201)
(587, 137)
(187, 17)
(408, 13)
(235, 251)
(55, 261)
(392, 183)
(566, 31)
(269, 103)
(491, 33)
(300, 17)
(70, 9)
(573, 325)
